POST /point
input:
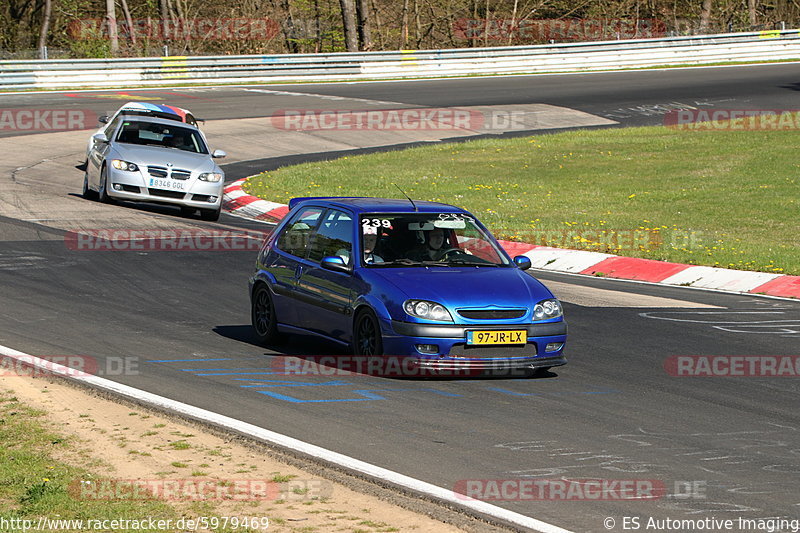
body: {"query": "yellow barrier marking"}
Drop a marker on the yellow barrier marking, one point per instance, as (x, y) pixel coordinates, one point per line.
(178, 65)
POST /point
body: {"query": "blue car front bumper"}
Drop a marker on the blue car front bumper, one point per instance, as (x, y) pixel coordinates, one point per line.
(452, 352)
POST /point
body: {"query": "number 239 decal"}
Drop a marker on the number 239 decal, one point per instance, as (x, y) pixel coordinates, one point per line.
(377, 222)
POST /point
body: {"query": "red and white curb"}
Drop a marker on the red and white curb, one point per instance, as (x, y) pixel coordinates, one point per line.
(238, 202)
(583, 262)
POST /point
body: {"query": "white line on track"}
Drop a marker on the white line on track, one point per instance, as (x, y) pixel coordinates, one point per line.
(286, 442)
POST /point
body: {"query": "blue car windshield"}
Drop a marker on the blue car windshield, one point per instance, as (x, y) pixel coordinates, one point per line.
(165, 136)
(426, 239)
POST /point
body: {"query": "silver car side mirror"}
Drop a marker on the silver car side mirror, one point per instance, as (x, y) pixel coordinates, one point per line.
(100, 137)
(218, 154)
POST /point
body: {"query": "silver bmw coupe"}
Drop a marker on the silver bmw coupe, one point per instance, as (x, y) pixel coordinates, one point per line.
(144, 159)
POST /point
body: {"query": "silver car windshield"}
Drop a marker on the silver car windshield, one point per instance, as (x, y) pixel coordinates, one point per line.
(165, 136)
(425, 239)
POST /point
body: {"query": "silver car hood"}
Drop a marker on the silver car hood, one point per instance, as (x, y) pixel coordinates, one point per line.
(156, 155)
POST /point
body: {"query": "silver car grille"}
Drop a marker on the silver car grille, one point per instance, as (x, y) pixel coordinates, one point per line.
(179, 174)
(164, 172)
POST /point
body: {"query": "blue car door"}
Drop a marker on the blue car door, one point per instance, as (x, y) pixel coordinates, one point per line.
(328, 295)
(287, 262)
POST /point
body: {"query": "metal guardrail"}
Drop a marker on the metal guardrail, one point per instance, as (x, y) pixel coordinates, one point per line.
(607, 55)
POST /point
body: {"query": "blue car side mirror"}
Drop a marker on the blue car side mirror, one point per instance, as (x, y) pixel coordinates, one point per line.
(522, 262)
(336, 264)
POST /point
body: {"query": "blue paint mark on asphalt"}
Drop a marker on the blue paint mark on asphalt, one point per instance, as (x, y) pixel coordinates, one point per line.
(607, 391)
(551, 393)
(276, 383)
(367, 395)
(217, 369)
(292, 399)
(513, 393)
(202, 373)
(184, 360)
(371, 393)
(362, 395)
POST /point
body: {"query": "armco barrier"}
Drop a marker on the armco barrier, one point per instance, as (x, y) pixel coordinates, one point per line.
(607, 55)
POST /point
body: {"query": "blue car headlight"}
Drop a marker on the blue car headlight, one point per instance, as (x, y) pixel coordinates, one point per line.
(547, 309)
(119, 164)
(427, 310)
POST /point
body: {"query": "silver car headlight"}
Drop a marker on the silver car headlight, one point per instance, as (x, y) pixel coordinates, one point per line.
(427, 310)
(119, 164)
(547, 309)
(211, 177)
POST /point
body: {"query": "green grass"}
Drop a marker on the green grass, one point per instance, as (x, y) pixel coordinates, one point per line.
(37, 484)
(718, 198)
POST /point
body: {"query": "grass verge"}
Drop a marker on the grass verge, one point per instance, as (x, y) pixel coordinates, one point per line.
(54, 438)
(38, 481)
(717, 197)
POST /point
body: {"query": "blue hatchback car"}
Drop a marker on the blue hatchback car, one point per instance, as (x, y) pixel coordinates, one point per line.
(421, 282)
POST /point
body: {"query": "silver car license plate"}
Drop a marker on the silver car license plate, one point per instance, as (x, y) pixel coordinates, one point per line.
(172, 185)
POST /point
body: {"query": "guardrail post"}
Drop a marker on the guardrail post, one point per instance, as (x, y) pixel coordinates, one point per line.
(43, 53)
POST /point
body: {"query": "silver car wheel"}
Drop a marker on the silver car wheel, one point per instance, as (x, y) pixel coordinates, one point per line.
(88, 193)
(103, 193)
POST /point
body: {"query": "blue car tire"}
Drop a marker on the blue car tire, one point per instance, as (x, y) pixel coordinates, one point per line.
(262, 315)
(367, 338)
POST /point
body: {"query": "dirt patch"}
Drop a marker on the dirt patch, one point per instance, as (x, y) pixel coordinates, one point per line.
(200, 473)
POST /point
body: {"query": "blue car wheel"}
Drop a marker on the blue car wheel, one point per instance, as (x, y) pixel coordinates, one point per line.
(262, 315)
(367, 339)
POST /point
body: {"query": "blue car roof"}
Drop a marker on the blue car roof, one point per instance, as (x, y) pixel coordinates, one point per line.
(373, 205)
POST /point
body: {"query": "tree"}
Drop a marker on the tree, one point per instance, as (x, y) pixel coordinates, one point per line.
(128, 21)
(289, 30)
(164, 8)
(364, 31)
(111, 19)
(751, 9)
(349, 20)
(705, 16)
(48, 8)
(404, 26)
